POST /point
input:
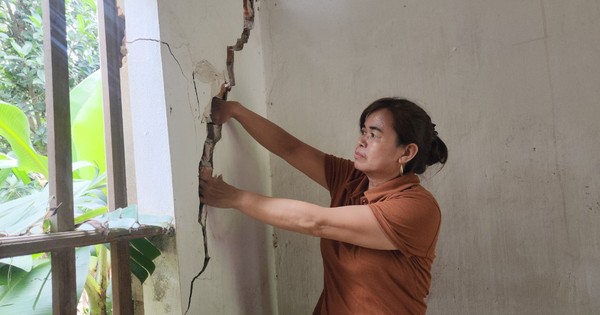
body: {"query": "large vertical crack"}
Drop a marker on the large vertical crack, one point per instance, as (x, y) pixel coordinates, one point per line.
(214, 131)
(207, 74)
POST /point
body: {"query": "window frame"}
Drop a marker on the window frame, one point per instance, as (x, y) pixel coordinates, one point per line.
(63, 239)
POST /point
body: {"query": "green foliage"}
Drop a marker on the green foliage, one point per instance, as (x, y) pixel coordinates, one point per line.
(12, 188)
(21, 277)
(21, 56)
(14, 127)
(87, 124)
(87, 129)
(24, 198)
(29, 291)
(26, 214)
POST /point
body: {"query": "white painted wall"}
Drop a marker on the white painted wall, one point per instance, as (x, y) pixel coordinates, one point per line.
(511, 85)
(149, 179)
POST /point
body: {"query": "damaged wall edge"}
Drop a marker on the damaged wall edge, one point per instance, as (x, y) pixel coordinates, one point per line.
(167, 135)
(214, 133)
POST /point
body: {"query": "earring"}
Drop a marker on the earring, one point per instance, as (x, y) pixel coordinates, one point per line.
(401, 169)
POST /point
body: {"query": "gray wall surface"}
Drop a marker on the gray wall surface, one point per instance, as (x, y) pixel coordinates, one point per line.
(513, 87)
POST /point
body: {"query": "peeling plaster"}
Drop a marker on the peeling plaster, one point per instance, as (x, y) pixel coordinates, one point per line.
(207, 73)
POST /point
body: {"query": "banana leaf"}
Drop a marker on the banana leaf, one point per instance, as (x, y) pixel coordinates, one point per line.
(31, 292)
(14, 127)
(87, 125)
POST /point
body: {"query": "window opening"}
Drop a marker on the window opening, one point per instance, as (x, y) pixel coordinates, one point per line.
(65, 190)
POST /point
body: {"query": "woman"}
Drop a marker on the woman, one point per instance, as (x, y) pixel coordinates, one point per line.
(378, 237)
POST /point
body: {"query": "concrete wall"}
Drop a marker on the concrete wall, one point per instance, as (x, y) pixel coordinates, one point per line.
(167, 42)
(513, 89)
(511, 85)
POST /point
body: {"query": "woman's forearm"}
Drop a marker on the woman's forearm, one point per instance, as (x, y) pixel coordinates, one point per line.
(303, 157)
(268, 134)
(351, 224)
(288, 214)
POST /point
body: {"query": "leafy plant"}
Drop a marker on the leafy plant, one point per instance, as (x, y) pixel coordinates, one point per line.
(14, 176)
(13, 188)
(28, 290)
(23, 170)
(87, 128)
(14, 127)
(87, 124)
(21, 56)
(27, 278)
(26, 214)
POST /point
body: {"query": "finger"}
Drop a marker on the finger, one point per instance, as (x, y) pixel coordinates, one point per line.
(216, 101)
(222, 90)
(206, 172)
(202, 184)
(203, 187)
(225, 87)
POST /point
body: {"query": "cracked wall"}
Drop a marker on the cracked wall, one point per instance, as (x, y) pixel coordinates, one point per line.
(188, 57)
(237, 277)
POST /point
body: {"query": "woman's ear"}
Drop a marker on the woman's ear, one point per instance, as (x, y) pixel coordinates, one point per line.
(410, 151)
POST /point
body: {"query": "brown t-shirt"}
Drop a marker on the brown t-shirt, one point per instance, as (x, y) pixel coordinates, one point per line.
(360, 280)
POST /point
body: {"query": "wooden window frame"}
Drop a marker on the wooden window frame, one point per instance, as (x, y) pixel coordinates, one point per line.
(63, 239)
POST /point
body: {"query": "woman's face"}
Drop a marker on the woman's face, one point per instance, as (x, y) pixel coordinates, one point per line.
(377, 153)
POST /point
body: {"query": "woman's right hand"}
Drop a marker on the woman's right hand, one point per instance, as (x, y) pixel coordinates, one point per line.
(222, 110)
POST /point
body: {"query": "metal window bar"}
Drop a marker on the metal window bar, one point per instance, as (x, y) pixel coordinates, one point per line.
(110, 57)
(64, 297)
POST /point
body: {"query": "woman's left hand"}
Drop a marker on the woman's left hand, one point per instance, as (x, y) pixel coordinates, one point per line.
(215, 192)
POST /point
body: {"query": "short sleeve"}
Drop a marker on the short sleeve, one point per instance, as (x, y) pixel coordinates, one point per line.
(411, 221)
(337, 172)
